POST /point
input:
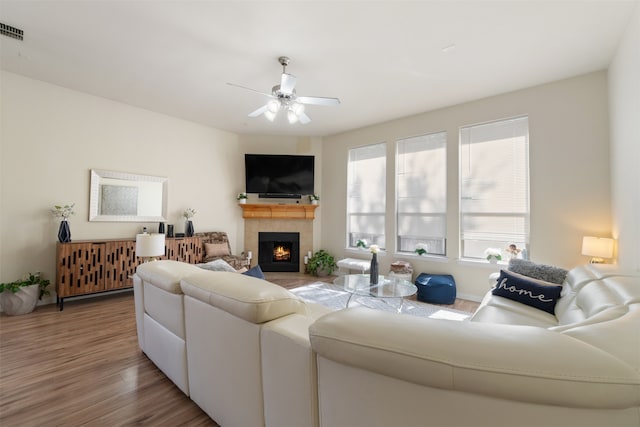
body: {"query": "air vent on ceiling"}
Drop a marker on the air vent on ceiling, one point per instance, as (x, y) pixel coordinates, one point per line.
(9, 31)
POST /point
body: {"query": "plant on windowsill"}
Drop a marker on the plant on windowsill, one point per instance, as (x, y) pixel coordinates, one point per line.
(22, 295)
(322, 263)
(421, 249)
(361, 244)
(314, 198)
(493, 255)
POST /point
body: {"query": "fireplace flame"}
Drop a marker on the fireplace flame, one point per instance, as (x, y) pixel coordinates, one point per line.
(280, 253)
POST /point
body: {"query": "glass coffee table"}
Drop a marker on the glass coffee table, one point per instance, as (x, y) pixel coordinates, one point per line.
(388, 288)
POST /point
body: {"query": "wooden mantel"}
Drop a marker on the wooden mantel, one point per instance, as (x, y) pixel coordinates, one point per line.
(277, 211)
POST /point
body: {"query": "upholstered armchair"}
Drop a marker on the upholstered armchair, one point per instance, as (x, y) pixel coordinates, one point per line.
(216, 246)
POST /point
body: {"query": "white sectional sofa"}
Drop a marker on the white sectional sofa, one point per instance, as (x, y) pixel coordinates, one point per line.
(257, 355)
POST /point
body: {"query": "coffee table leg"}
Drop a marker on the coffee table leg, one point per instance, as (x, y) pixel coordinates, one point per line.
(349, 300)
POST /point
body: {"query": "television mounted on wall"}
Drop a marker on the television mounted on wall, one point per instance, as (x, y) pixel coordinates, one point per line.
(279, 175)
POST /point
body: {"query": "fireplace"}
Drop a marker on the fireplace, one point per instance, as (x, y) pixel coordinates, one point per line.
(279, 251)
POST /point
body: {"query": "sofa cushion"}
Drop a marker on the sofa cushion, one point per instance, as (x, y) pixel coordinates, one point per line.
(548, 273)
(527, 291)
(165, 274)
(254, 300)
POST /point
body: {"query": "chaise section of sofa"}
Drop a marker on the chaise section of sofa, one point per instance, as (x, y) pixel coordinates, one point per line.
(501, 369)
(249, 357)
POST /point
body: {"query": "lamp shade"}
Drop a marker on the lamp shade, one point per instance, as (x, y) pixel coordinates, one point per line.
(599, 247)
(149, 245)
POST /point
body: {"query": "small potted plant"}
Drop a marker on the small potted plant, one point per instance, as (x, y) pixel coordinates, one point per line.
(241, 198)
(314, 198)
(421, 249)
(493, 255)
(322, 263)
(361, 244)
(22, 295)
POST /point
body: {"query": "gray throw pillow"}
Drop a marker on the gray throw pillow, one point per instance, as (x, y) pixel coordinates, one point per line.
(217, 265)
(548, 273)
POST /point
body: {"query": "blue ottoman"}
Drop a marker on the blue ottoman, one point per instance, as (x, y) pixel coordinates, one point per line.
(436, 288)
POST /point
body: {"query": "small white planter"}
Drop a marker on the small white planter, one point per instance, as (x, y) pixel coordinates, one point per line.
(242, 201)
(22, 302)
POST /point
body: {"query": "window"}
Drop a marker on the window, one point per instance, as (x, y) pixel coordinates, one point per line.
(421, 193)
(494, 187)
(366, 194)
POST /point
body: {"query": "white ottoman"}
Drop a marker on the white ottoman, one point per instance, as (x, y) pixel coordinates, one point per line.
(358, 265)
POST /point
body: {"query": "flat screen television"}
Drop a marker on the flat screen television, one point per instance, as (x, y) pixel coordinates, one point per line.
(279, 175)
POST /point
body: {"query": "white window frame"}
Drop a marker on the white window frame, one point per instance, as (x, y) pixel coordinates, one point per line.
(421, 194)
(366, 200)
(503, 213)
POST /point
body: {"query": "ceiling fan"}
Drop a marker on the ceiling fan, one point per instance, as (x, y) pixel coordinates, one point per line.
(284, 97)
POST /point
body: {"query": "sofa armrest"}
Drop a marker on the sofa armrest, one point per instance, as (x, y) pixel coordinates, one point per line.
(523, 363)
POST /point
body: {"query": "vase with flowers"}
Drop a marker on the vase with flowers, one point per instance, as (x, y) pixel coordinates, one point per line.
(188, 214)
(63, 212)
(373, 268)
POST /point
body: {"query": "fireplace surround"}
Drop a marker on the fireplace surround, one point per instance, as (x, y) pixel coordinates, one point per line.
(287, 218)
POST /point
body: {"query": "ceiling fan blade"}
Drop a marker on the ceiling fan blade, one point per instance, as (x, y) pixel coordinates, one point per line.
(317, 100)
(259, 111)
(304, 119)
(252, 90)
(287, 83)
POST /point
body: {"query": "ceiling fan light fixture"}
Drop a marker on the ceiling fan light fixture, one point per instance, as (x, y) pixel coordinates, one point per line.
(273, 106)
(270, 115)
(292, 116)
(297, 108)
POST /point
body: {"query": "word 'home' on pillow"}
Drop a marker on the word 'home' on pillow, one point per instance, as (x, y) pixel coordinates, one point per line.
(535, 293)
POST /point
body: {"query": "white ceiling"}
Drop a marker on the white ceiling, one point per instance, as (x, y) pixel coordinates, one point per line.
(383, 59)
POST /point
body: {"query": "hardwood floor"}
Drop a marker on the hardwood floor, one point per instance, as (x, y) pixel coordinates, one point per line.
(83, 367)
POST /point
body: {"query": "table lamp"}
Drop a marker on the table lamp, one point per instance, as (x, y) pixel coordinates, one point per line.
(598, 248)
(149, 246)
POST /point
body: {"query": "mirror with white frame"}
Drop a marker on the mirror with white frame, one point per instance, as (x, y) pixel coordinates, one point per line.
(127, 197)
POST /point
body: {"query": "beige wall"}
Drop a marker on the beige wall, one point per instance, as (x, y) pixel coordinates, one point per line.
(50, 139)
(624, 104)
(569, 177)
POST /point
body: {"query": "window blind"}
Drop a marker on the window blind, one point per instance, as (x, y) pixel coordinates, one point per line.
(494, 186)
(366, 194)
(421, 193)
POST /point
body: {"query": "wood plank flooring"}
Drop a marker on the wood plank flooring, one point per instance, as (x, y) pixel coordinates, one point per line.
(83, 367)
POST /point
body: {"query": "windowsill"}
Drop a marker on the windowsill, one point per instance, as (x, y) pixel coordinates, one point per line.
(482, 263)
(430, 258)
(364, 252)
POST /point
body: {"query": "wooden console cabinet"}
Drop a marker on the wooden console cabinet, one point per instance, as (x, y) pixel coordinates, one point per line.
(91, 267)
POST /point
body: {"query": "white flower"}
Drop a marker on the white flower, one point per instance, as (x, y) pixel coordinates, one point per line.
(493, 253)
(63, 212)
(189, 213)
(374, 249)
